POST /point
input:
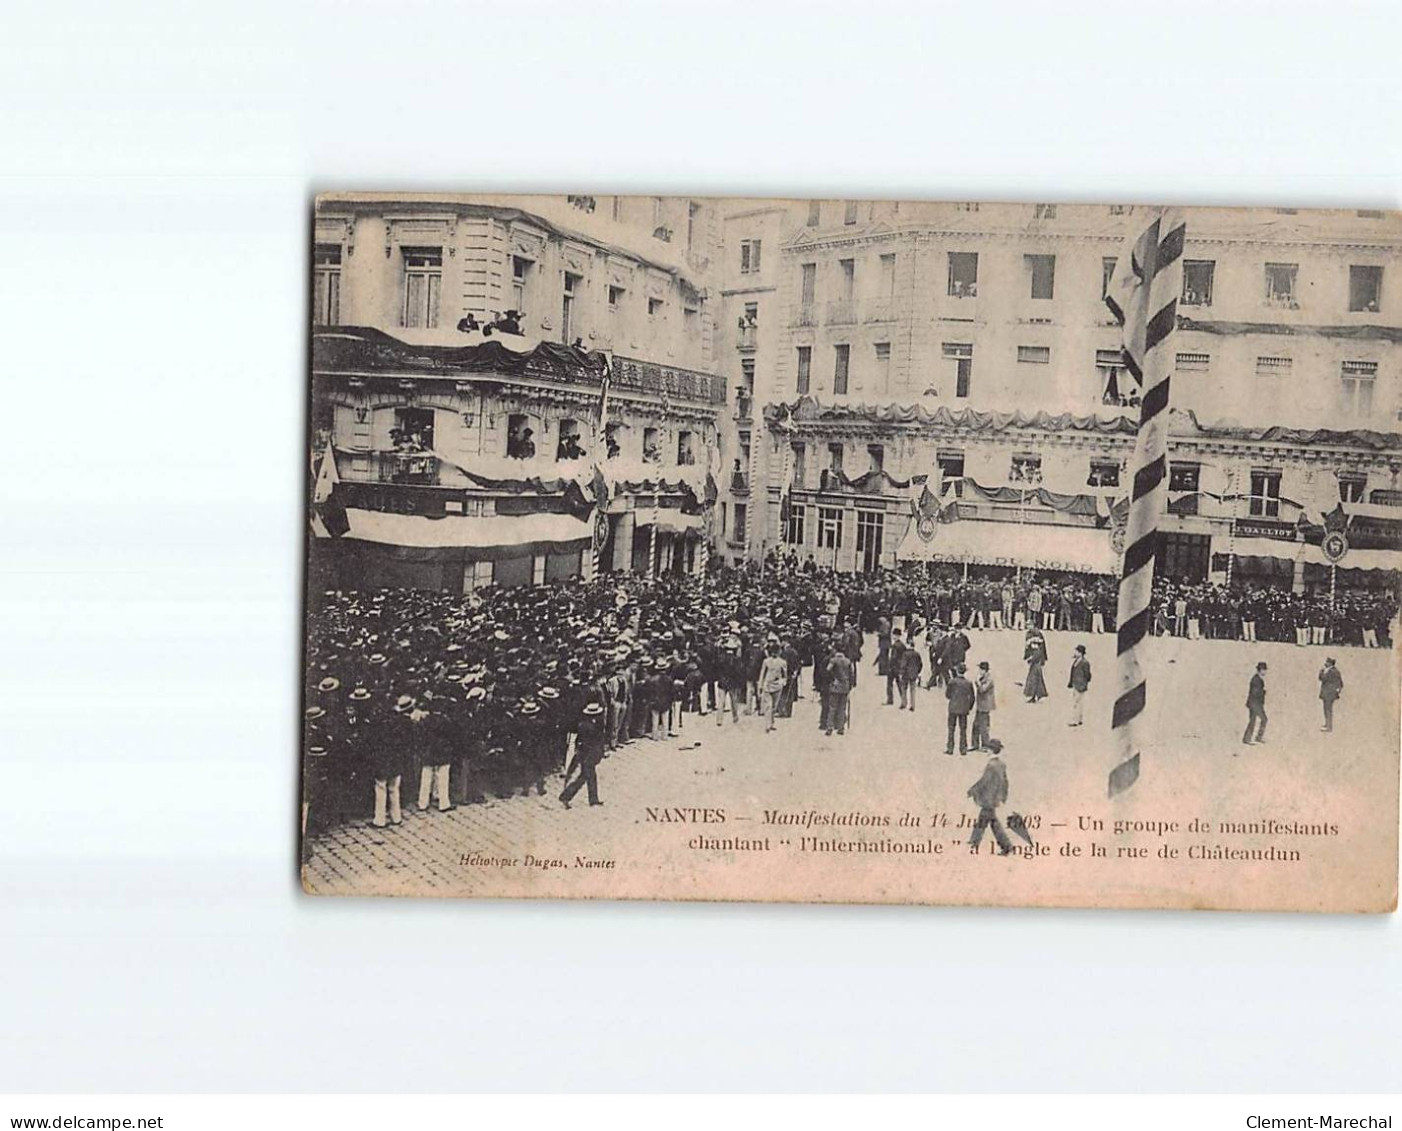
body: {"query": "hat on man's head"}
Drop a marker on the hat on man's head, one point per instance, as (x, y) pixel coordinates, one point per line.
(404, 703)
(360, 694)
(330, 683)
(983, 664)
(593, 708)
(994, 746)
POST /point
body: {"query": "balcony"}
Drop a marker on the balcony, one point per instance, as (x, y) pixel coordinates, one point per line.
(739, 483)
(841, 312)
(805, 315)
(419, 468)
(667, 380)
(746, 337)
(879, 310)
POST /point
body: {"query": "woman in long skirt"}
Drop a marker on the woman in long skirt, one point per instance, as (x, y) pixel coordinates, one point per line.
(1035, 654)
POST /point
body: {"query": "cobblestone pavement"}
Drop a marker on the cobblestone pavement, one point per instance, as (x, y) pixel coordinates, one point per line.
(892, 761)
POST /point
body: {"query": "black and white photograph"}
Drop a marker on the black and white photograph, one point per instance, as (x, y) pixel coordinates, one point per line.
(685, 547)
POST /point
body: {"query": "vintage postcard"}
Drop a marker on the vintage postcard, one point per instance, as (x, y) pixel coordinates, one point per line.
(853, 551)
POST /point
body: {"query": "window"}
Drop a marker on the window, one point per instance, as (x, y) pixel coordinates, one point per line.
(652, 445)
(654, 307)
(616, 209)
(520, 437)
(749, 256)
(658, 212)
(815, 212)
(686, 449)
(1197, 281)
(1114, 388)
(808, 286)
(1107, 273)
(615, 298)
(798, 518)
(799, 453)
(1265, 493)
(1034, 355)
(1358, 379)
(886, 286)
(841, 360)
(1026, 467)
(805, 368)
(1192, 362)
(962, 354)
(871, 537)
(1103, 473)
(1365, 288)
(412, 430)
(951, 463)
(747, 373)
(849, 212)
(1041, 271)
(966, 206)
(751, 316)
(326, 284)
(1121, 209)
(1273, 366)
(1044, 212)
(693, 210)
(742, 520)
(612, 445)
(570, 445)
(963, 274)
(834, 457)
(876, 455)
(567, 308)
(883, 366)
(1184, 476)
(520, 277)
(1280, 284)
(847, 269)
(423, 279)
(1352, 486)
(830, 528)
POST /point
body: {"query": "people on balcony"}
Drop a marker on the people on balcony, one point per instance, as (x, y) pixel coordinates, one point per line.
(521, 444)
(569, 447)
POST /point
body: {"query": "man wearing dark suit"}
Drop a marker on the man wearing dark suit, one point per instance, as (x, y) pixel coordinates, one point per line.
(894, 651)
(1256, 707)
(1331, 686)
(908, 678)
(841, 676)
(1079, 683)
(589, 752)
(961, 696)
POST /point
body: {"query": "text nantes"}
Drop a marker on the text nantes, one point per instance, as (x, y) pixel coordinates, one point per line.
(685, 815)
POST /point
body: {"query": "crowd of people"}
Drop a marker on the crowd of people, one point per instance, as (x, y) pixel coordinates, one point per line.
(500, 691)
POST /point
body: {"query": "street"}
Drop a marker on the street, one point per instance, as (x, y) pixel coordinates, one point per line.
(891, 763)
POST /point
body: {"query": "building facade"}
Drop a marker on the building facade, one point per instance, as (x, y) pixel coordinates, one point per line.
(970, 344)
(461, 350)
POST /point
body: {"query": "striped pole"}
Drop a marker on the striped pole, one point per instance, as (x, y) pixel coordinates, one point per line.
(1143, 297)
(656, 502)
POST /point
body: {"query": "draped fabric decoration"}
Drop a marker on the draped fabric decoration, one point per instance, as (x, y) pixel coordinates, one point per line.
(328, 512)
(1087, 506)
(363, 349)
(1143, 297)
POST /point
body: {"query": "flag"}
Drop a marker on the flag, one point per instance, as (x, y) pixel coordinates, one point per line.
(1143, 297)
(326, 507)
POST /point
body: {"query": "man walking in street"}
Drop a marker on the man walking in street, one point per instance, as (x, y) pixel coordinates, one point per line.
(589, 752)
(1079, 683)
(1331, 686)
(840, 676)
(961, 696)
(773, 676)
(911, 666)
(989, 792)
(893, 655)
(1256, 707)
(985, 702)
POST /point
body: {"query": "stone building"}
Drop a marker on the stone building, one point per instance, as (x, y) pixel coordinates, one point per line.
(460, 351)
(970, 344)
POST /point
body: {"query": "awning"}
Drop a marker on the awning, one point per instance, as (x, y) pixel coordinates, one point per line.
(1314, 555)
(669, 521)
(1074, 549)
(455, 531)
